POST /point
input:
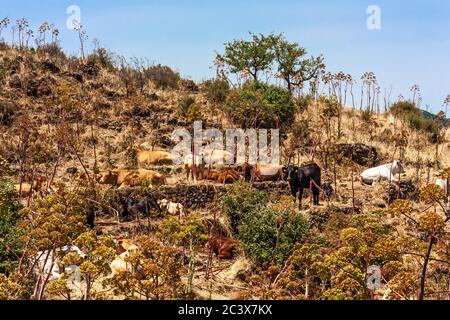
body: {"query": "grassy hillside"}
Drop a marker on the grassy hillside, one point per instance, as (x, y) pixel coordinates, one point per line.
(63, 118)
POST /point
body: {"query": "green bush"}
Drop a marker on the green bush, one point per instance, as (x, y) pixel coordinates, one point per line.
(415, 117)
(103, 58)
(260, 105)
(10, 244)
(185, 104)
(258, 233)
(239, 201)
(163, 76)
(216, 90)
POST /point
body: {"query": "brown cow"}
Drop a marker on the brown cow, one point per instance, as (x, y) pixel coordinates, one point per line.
(229, 176)
(223, 247)
(155, 158)
(194, 167)
(38, 185)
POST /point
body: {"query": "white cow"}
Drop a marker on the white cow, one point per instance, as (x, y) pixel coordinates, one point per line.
(216, 157)
(175, 209)
(389, 171)
(444, 185)
(48, 264)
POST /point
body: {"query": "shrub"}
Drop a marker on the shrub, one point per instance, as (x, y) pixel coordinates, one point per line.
(194, 113)
(303, 102)
(189, 85)
(415, 117)
(260, 105)
(10, 245)
(216, 90)
(270, 234)
(103, 58)
(238, 202)
(185, 104)
(163, 77)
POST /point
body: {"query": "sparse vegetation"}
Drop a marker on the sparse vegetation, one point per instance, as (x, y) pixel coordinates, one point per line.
(71, 127)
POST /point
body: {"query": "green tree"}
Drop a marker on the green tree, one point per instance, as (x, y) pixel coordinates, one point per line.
(293, 67)
(252, 57)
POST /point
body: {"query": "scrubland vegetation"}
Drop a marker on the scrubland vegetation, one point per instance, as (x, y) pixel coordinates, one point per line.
(65, 120)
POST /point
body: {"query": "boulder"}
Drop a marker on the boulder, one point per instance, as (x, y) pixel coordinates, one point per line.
(50, 66)
(359, 153)
(408, 191)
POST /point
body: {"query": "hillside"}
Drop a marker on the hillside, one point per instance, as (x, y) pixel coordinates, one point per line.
(67, 120)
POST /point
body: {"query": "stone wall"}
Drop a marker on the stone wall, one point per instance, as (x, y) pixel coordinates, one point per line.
(201, 195)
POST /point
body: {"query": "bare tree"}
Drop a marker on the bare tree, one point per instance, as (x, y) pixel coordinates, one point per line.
(22, 29)
(3, 25)
(82, 37)
(446, 104)
(415, 89)
(44, 27)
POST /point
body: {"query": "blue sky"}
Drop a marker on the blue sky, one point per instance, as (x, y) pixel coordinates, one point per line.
(412, 46)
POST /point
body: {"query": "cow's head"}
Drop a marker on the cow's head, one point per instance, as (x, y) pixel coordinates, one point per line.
(397, 167)
(291, 173)
(108, 177)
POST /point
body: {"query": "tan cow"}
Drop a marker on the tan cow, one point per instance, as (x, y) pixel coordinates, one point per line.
(263, 172)
(38, 185)
(155, 158)
(125, 249)
(131, 178)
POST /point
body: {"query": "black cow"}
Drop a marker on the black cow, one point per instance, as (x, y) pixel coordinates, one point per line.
(90, 217)
(300, 178)
(130, 207)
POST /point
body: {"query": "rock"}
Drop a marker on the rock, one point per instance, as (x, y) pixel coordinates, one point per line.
(380, 204)
(189, 85)
(328, 188)
(359, 153)
(408, 191)
(44, 89)
(50, 66)
(15, 82)
(91, 69)
(72, 170)
(7, 112)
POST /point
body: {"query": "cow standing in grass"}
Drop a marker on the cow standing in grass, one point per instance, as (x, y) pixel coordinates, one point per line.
(304, 177)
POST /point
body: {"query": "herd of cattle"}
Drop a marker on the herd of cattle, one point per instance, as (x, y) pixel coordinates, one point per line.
(308, 176)
(209, 165)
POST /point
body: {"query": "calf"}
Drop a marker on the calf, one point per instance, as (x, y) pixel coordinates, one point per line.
(305, 177)
(175, 209)
(223, 247)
